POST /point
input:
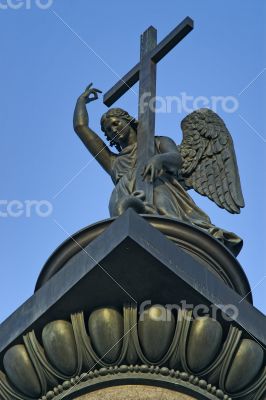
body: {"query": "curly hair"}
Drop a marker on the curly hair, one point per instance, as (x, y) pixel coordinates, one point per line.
(119, 113)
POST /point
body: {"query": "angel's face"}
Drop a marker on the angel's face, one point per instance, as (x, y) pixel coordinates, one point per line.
(117, 129)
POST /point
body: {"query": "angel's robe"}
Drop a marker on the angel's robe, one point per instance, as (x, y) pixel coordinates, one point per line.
(170, 199)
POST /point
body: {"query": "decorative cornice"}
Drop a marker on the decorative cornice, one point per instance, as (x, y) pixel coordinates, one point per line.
(161, 341)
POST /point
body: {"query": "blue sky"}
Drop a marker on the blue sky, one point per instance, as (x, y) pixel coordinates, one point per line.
(48, 56)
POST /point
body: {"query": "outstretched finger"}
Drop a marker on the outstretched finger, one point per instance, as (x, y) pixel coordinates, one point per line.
(98, 90)
(88, 87)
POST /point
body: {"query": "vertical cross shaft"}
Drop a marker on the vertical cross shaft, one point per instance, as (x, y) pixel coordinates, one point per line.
(145, 72)
(147, 92)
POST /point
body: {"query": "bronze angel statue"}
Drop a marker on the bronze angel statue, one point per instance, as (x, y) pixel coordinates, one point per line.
(205, 161)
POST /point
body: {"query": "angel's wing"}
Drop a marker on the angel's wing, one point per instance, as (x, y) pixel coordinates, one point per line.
(209, 161)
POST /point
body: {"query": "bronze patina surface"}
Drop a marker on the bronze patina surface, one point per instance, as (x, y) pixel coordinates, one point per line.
(151, 173)
(153, 346)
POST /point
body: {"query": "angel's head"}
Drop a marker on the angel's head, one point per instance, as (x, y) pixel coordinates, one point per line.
(119, 127)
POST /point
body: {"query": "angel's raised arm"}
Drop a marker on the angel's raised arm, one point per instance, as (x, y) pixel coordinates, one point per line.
(91, 140)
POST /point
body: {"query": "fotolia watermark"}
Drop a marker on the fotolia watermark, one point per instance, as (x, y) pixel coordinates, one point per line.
(165, 313)
(25, 4)
(186, 103)
(26, 208)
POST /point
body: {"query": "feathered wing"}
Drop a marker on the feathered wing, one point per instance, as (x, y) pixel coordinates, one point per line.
(209, 160)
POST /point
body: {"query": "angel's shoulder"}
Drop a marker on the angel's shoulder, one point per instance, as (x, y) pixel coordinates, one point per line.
(165, 143)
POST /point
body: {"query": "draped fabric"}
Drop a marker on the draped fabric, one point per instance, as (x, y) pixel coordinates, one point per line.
(170, 199)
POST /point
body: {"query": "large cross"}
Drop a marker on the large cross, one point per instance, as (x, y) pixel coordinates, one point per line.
(145, 71)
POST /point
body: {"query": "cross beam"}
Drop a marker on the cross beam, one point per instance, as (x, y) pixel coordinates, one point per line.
(145, 72)
(163, 48)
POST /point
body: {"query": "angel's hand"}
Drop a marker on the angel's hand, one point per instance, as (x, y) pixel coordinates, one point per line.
(154, 168)
(90, 94)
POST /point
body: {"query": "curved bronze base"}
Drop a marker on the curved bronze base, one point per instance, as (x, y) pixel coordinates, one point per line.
(202, 246)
